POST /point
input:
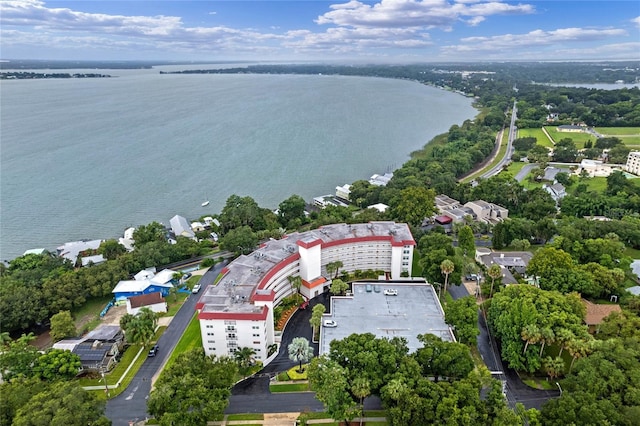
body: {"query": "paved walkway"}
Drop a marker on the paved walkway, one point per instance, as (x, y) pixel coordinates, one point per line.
(286, 419)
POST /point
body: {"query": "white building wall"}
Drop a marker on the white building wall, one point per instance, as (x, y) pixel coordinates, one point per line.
(224, 337)
(310, 262)
(633, 162)
(267, 327)
(368, 255)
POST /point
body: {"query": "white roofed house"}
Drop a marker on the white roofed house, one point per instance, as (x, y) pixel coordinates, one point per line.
(487, 212)
(344, 192)
(73, 249)
(557, 191)
(146, 282)
(153, 301)
(181, 228)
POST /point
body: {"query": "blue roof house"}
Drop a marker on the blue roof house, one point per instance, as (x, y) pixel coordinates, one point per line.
(158, 283)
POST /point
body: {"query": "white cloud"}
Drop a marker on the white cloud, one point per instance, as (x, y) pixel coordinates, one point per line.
(636, 21)
(416, 13)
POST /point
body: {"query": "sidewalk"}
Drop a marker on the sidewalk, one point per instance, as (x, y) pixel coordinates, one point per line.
(286, 419)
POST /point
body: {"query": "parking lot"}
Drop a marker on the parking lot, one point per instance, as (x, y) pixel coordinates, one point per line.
(414, 310)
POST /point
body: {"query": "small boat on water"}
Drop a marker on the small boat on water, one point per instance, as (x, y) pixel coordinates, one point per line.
(205, 204)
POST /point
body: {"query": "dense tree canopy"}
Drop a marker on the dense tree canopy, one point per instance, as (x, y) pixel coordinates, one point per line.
(193, 390)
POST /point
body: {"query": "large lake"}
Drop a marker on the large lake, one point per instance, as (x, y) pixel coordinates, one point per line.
(86, 158)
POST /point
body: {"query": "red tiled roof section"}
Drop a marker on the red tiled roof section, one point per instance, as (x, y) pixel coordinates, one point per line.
(597, 313)
(146, 300)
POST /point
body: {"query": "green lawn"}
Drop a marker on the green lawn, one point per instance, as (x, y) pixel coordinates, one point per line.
(540, 136)
(190, 339)
(619, 131)
(515, 167)
(289, 387)
(632, 253)
(597, 184)
(578, 138)
(87, 316)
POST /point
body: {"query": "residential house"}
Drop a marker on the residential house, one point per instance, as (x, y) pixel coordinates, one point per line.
(72, 249)
(380, 180)
(557, 191)
(380, 207)
(444, 202)
(145, 282)
(127, 240)
(98, 349)
(153, 301)
(597, 313)
(93, 260)
(197, 226)
(487, 212)
(344, 192)
(510, 263)
(180, 227)
(570, 128)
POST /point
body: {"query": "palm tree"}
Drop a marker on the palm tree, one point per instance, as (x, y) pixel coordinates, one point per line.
(334, 267)
(244, 356)
(563, 335)
(546, 336)
(295, 282)
(300, 351)
(531, 335)
(494, 272)
(361, 389)
(446, 267)
(554, 366)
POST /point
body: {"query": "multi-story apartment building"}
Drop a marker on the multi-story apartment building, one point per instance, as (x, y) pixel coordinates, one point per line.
(238, 311)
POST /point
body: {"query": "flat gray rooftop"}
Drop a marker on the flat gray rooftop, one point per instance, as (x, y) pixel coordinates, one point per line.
(415, 310)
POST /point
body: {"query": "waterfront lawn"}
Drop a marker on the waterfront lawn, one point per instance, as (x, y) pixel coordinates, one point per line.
(540, 136)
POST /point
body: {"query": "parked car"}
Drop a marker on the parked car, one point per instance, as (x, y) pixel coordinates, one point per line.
(376, 288)
(368, 288)
(390, 292)
(196, 288)
(154, 350)
(329, 323)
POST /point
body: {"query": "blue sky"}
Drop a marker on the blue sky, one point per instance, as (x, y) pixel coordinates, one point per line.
(355, 30)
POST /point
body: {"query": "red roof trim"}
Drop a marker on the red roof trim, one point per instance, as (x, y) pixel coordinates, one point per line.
(276, 268)
(388, 238)
(261, 316)
(308, 245)
(314, 283)
(264, 297)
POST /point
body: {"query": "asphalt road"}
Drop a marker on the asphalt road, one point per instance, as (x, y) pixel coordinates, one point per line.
(509, 152)
(515, 390)
(131, 405)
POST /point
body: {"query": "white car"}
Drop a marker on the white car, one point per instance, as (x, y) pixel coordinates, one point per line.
(390, 292)
(329, 323)
(195, 289)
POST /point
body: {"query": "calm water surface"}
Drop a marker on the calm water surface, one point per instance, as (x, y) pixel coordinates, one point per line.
(84, 159)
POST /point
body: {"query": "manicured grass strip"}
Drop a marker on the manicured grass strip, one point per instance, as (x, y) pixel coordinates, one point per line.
(632, 253)
(246, 416)
(540, 136)
(289, 387)
(619, 131)
(515, 167)
(190, 339)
